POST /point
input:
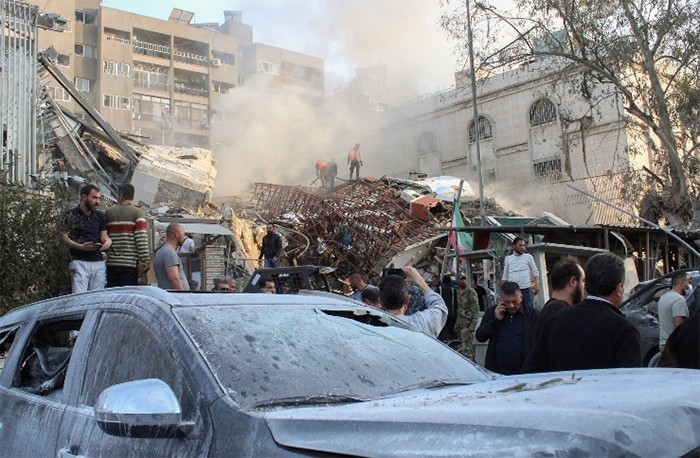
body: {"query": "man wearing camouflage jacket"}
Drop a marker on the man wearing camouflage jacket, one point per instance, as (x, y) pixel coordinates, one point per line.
(467, 315)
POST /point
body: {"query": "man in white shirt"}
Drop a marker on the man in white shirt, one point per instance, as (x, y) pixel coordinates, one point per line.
(672, 307)
(520, 268)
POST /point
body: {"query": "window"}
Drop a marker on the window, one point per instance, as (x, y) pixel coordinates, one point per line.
(85, 17)
(46, 357)
(116, 101)
(427, 144)
(84, 84)
(151, 78)
(7, 338)
(85, 50)
(485, 131)
(548, 170)
(142, 354)
(270, 68)
(542, 112)
(116, 68)
(63, 60)
(150, 108)
(225, 58)
(222, 88)
(58, 94)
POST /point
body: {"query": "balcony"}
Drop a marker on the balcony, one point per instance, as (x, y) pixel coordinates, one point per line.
(151, 49)
(189, 58)
(158, 86)
(191, 89)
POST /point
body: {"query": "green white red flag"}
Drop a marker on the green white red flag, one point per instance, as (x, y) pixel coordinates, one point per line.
(462, 242)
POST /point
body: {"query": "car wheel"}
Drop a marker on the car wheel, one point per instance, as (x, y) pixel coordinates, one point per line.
(652, 354)
(654, 360)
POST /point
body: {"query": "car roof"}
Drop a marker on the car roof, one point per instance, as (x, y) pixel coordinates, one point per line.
(166, 300)
(666, 279)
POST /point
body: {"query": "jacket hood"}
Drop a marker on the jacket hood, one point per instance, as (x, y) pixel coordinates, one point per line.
(596, 413)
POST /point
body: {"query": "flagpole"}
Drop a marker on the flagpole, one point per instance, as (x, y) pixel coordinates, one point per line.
(458, 198)
(477, 124)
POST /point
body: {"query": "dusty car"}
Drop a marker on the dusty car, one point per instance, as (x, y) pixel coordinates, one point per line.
(140, 371)
(642, 310)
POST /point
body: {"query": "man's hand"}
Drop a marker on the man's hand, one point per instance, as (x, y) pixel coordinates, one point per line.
(143, 268)
(414, 277)
(89, 246)
(106, 243)
(535, 288)
(500, 311)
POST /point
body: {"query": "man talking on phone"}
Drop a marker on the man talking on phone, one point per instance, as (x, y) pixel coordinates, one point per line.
(510, 328)
(394, 297)
(85, 235)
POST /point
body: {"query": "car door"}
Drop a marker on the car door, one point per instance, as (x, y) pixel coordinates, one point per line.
(127, 346)
(33, 391)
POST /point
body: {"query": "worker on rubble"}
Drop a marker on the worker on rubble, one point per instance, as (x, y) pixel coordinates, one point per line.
(355, 161)
(271, 247)
(326, 172)
(321, 172)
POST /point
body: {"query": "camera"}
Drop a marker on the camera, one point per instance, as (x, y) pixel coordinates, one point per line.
(399, 272)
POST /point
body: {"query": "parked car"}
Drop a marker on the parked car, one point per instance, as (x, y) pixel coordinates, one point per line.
(642, 310)
(293, 279)
(139, 371)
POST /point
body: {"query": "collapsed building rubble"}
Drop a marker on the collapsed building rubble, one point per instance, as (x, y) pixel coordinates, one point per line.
(361, 226)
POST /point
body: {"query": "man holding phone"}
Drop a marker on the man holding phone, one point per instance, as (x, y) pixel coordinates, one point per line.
(85, 235)
(394, 297)
(510, 329)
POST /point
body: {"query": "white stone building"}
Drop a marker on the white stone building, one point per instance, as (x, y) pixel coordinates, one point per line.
(536, 135)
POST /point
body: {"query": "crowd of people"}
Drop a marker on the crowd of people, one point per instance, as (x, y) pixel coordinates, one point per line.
(580, 327)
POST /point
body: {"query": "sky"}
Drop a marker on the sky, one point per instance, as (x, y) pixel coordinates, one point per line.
(403, 35)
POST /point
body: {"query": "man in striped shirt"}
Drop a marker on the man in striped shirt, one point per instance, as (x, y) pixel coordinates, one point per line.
(126, 226)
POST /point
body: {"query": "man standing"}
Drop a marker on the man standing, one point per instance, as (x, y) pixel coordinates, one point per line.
(394, 297)
(568, 280)
(510, 329)
(167, 264)
(126, 226)
(85, 235)
(520, 268)
(355, 160)
(271, 247)
(672, 309)
(467, 315)
(593, 334)
(358, 286)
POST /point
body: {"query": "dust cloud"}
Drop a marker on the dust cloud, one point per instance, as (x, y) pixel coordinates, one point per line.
(273, 136)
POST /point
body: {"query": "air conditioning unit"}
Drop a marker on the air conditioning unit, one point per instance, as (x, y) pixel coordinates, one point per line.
(216, 62)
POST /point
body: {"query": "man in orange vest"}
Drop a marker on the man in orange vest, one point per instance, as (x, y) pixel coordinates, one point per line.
(355, 161)
(321, 172)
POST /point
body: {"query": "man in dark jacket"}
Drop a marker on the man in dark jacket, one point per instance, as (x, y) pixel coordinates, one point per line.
(593, 334)
(510, 329)
(271, 247)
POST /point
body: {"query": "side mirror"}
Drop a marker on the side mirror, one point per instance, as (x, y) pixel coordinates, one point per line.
(142, 408)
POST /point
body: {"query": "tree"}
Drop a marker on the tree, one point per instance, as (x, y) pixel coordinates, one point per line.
(33, 261)
(648, 50)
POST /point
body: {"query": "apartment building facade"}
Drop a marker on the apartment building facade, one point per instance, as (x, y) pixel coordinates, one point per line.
(164, 81)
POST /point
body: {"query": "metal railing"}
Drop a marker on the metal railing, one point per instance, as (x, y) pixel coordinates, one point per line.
(18, 90)
(117, 39)
(181, 88)
(190, 58)
(151, 49)
(152, 85)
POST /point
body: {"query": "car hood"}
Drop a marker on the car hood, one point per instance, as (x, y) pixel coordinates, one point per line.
(589, 413)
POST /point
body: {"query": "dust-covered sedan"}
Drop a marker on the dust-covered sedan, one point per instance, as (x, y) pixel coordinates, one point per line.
(141, 371)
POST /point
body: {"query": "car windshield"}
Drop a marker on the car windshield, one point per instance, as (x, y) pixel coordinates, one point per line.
(277, 355)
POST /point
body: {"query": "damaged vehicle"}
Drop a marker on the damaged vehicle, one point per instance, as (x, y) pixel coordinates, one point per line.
(642, 310)
(142, 371)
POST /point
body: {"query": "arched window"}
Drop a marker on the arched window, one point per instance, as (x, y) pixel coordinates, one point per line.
(427, 144)
(542, 112)
(484, 130)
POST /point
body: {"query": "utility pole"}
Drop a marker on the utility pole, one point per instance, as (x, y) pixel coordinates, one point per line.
(477, 124)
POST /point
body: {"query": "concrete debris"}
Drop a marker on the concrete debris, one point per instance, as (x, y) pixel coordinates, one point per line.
(359, 226)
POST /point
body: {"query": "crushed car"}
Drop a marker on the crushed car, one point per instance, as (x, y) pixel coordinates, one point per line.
(641, 309)
(140, 371)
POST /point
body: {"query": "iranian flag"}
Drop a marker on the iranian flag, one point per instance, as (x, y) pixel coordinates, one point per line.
(460, 241)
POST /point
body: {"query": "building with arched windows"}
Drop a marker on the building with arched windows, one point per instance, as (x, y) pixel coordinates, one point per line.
(535, 134)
